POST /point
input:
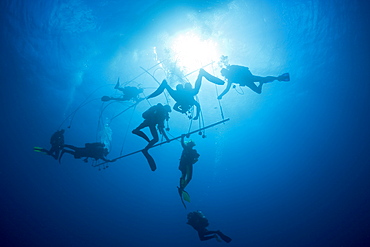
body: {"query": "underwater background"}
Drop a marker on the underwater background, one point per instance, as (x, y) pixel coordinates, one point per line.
(290, 167)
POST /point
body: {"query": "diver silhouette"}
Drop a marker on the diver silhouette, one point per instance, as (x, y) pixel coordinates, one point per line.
(188, 158)
(57, 144)
(94, 150)
(236, 74)
(153, 117)
(200, 223)
(183, 95)
(128, 93)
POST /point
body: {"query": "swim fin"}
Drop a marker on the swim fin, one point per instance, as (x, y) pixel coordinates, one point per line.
(40, 150)
(150, 160)
(180, 194)
(284, 77)
(186, 196)
(105, 98)
(117, 84)
(224, 237)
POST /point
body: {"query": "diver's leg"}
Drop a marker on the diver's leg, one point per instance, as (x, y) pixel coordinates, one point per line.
(154, 133)
(159, 90)
(254, 87)
(173, 93)
(55, 153)
(138, 131)
(211, 78)
(265, 79)
(70, 147)
(197, 109)
(224, 237)
(65, 151)
(197, 85)
(203, 237)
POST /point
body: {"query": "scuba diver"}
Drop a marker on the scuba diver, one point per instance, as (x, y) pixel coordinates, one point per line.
(94, 150)
(183, 95)
(199, 222)
(188, 158)
(57, 144)
(241, 75)
(153, 117)
(129, 93)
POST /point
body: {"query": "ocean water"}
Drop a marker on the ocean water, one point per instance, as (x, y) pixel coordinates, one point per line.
(290, 167)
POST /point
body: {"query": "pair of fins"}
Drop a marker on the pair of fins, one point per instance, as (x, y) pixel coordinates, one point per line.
(284, 77)
(150, 159)
(184, 196)
(40, 150)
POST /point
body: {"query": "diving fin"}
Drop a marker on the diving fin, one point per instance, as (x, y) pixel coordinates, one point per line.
(186, 196)
(105, 98)
(224, 237)
(117, 84)
(180, 194)
(40, 150)
(284, 77)
(150, 160)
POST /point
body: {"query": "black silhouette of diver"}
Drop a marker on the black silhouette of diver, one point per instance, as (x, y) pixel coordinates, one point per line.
(241, 75)
(188, 158)
(153, 117)
(129, 93)
(183, 95)
(94, 150)
(200, 223)
(57, 144)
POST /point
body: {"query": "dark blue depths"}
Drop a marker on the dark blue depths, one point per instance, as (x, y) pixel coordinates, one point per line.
(290, 168)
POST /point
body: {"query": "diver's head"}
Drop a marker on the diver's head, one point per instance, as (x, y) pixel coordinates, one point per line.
(179, 87)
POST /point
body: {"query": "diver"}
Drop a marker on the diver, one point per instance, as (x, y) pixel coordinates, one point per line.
(241, 75)
(57, 144)
(129, 93)
(94, 150)
(200, 223)
(188, 158)
(183, 95)
(154, 117)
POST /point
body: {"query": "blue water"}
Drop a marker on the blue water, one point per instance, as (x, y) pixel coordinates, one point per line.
(290, 168)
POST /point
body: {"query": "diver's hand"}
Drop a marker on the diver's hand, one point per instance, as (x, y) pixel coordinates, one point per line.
(219, 97)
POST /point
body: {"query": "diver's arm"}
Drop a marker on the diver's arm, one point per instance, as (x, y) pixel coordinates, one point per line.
(163, 132)
(228, 86)
(182, 141)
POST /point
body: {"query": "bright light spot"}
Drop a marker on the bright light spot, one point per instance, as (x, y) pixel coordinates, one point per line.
(191, 52)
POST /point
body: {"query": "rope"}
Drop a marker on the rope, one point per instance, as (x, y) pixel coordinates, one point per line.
(124, 138)
(158, 144)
